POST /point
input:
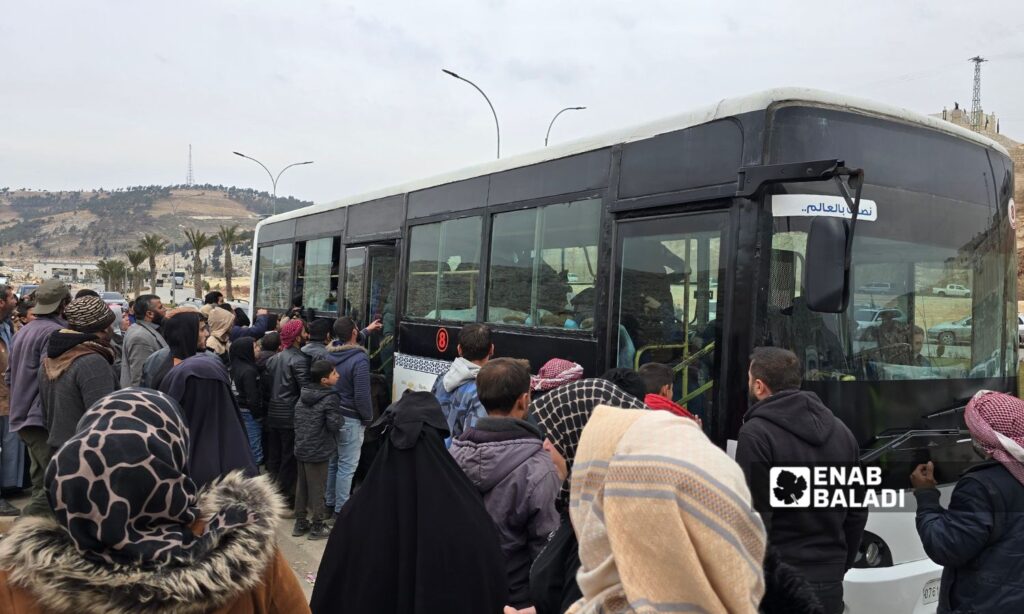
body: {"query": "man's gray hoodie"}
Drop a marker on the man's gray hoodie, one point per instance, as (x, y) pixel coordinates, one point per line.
(505, 459)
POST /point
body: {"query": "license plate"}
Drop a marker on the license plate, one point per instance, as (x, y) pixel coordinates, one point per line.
(930, 592)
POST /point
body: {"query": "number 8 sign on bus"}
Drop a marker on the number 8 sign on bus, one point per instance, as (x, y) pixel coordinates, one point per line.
(442, 340)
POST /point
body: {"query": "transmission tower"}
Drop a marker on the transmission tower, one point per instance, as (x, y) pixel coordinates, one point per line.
(976, 119)
(190, 179)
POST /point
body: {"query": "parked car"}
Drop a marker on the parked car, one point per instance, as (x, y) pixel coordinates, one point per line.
(952, 290)
(26, 289)
(868, 318)
(114, 298)
(949, 333)
(876, 287)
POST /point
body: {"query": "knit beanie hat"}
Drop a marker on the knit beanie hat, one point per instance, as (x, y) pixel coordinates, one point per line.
(290, 332)
(88, 314)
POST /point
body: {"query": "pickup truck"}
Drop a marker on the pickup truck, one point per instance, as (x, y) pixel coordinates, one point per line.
(952, 290)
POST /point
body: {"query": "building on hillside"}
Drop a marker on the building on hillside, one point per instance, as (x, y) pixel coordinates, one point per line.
(66, 269)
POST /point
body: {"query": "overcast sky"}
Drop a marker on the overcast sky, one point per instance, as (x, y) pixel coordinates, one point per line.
(106, 93)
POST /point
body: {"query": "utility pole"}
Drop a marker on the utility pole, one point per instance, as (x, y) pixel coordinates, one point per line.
(976, 112)
(190, 178)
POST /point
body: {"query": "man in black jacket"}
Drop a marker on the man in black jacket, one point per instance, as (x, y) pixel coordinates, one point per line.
(787, 426)
(288, 372)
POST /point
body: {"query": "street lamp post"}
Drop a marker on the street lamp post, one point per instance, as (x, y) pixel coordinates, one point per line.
(273, 179)
(548, 135)
(497, 127)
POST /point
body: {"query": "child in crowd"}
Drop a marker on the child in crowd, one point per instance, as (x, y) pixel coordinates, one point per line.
(317, 422)
(658, 380)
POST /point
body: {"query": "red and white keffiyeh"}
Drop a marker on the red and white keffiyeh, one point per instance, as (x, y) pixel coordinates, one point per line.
(555, 372)
(996, 421)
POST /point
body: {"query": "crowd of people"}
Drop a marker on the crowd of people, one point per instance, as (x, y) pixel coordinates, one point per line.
(499, 491)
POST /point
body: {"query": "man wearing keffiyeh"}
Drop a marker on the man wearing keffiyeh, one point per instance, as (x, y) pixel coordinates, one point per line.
(979, 539)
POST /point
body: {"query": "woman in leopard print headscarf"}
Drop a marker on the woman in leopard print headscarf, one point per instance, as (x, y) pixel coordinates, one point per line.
(132, 534)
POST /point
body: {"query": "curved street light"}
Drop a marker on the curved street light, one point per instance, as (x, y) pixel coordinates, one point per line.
(273, 179)
(548, 135)
(495, 113)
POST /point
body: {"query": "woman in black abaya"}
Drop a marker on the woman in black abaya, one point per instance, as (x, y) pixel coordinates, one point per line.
(415, 538)
(199, 382)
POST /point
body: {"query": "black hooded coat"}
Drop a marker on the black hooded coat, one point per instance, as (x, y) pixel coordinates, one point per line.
(794, 428)
(415, 538)
(201, 386)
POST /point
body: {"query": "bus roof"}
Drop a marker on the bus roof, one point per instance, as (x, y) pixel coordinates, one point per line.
(727, 107)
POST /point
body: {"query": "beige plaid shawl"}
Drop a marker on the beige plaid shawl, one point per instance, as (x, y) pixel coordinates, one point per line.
(664, 519)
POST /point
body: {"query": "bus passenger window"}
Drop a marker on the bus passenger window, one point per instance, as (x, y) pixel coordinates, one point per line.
(274, 273)
(444, 270)
(317, 274)
(543, 266)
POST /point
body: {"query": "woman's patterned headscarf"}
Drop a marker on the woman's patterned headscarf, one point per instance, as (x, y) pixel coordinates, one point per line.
(564, 412)
(996, 422)
(120, 489)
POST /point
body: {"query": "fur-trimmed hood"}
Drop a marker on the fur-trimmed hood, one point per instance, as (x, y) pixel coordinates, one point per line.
(38, 555)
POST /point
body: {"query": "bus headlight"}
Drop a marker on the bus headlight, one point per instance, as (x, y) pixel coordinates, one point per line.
(873, 552)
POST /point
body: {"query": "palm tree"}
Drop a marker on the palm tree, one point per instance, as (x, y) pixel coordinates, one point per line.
(135, 259)
(118, 272)
(228, 236)
(200, 241)
(152, 245)
(103, 270)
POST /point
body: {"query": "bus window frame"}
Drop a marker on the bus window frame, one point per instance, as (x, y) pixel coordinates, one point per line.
(600, 272)
(291, 272)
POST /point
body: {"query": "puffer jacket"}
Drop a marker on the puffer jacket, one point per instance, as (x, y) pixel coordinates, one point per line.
(42, 572)
(978, 540)
(456, 392)
(353, 366)
(288, 372)
(506, 461)
(317, 422)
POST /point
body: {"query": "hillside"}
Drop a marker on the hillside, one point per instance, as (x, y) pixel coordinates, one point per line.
(104, 223)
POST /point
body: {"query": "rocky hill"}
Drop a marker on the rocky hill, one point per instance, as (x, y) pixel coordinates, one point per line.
(104, 223)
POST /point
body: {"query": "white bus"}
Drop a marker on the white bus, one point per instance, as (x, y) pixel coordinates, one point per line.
(690, 241)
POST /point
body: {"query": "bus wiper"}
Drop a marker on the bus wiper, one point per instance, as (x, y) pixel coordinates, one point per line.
(943, 412)
(904, 435)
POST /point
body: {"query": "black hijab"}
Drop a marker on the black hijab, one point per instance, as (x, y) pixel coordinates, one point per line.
(415, 538)
(201, 386)
(182, 334)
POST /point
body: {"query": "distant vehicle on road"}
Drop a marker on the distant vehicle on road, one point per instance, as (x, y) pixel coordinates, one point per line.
(114, 298)
(952, 290)
(876, 287)
(26, 289)
(949, 333)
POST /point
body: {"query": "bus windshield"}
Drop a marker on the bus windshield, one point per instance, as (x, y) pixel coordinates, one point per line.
(930, 318)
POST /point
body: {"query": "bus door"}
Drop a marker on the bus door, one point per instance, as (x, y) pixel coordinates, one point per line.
(370, 274)
(665, 300)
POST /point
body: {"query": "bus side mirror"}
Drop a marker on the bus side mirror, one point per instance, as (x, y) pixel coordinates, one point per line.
(826, 277)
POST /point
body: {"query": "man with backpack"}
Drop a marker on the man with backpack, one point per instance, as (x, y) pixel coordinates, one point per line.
(456, 389)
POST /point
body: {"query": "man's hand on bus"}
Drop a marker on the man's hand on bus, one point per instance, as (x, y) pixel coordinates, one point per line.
(374, 326)
(924, 476)
(261, 312)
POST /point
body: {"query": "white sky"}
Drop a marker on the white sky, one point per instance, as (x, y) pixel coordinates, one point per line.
(110, 93)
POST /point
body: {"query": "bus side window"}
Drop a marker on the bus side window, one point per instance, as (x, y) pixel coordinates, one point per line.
(543, 265)
(444, 270)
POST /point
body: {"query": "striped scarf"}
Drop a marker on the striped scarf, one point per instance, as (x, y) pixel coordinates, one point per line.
(664, 519)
